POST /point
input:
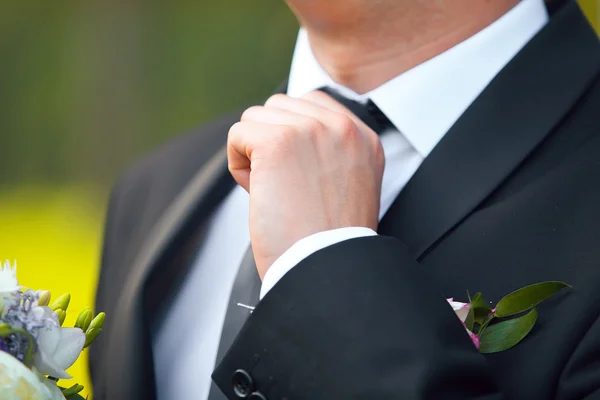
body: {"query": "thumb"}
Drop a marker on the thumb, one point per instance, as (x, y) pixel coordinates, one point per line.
(243, 140)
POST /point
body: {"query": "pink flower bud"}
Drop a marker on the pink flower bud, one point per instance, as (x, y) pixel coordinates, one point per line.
(475, 339)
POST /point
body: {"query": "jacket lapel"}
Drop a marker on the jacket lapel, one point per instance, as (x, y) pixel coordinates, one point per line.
(129, 359)
(513, 115)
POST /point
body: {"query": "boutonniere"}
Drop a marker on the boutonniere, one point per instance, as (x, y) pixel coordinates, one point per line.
(495, 329)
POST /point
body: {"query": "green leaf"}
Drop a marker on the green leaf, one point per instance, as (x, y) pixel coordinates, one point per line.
(506, 334)
(481, 308)
(526, 298)
(71, 393)
(486, 321)
(75, 397)
(470, 320)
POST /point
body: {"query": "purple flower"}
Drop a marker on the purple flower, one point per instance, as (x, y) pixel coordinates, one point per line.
(26, 320)
(22, 312)
(3, 345)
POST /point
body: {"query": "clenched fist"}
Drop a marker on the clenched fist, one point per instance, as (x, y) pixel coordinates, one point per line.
(309, 166)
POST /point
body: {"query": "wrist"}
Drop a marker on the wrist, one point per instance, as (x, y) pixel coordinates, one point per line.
(306, 247)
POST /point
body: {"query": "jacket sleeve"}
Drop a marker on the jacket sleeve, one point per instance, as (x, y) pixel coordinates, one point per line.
(356, 320)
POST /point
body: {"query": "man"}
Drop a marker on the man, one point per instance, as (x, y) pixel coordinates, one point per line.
(455, 146)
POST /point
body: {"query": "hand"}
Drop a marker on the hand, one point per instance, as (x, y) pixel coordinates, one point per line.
(309, 166)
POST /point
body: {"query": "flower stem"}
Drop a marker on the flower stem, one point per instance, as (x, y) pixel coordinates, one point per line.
(485, 324)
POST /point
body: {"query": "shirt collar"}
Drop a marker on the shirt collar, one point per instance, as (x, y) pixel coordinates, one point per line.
(425, 101)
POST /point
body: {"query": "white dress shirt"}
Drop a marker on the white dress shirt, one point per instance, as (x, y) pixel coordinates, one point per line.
(422, 103)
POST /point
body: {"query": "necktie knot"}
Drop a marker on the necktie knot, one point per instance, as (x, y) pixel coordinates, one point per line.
(369, 113)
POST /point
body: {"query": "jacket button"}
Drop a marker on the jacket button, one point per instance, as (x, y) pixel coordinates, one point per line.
(256, 396)
(243, 384)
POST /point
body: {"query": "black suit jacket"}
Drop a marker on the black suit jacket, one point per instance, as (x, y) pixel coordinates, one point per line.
(509, 197)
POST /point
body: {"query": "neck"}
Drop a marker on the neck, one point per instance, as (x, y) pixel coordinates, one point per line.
(362, 44)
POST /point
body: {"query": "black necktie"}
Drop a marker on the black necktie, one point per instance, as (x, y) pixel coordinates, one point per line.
(245, 293)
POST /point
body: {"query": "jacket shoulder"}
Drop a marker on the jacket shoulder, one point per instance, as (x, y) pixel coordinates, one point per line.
(152, 182)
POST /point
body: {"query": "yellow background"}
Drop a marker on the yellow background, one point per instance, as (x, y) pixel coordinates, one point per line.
(53, 227)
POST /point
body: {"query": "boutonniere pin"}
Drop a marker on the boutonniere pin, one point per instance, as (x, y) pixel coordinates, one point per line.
(495, 329)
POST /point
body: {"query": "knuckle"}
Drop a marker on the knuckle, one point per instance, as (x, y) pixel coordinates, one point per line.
(344, 126)
(281, 145)
(314, 95)
(374, 151)
(313, 125)
(275, 99)
(378, 154)
(250, 112)
(234, 130)
(286, 136)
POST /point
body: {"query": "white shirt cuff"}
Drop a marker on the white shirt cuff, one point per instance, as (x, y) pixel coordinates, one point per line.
(304, 248)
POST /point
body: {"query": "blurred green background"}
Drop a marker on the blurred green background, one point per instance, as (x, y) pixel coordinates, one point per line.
(86, 87)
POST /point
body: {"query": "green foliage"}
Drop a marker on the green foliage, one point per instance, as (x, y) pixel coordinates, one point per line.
(71, 392)
(526, 298)
(504, 335)
(481, 309)
(95, 84)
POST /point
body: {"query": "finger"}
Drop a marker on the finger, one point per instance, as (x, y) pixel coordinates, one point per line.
(334, 121)
(298, 106)
(276, 116)
(326, 101)
(320, 106)
(242, 141)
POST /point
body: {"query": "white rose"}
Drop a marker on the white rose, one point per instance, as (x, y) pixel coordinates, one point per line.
(17, 382)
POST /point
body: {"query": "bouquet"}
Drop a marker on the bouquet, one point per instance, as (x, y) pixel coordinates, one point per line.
(35, 348)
